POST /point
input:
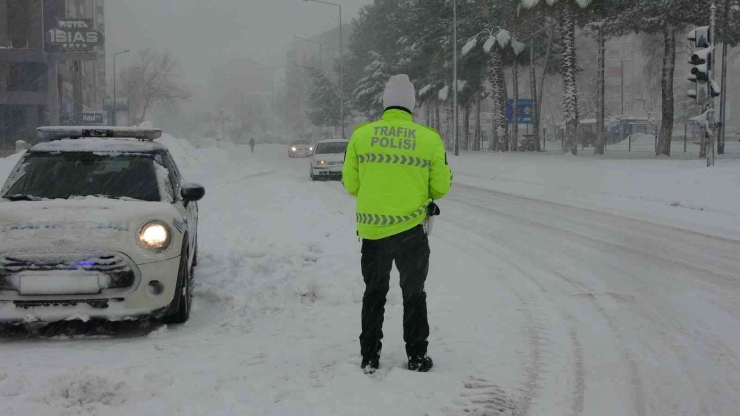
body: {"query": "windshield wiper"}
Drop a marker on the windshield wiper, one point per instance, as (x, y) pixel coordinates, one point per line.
(22, 197)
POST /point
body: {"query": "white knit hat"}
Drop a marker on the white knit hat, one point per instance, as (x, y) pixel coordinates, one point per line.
(399, 92)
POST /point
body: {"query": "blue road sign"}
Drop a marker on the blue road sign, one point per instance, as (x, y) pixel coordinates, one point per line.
(526, 110)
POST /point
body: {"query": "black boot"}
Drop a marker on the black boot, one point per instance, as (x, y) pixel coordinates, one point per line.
(421, 364)
(370, 365)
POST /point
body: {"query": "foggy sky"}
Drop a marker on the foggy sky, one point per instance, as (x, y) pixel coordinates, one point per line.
(206, 33)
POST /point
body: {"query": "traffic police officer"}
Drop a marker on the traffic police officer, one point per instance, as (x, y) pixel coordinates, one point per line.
(396, 169)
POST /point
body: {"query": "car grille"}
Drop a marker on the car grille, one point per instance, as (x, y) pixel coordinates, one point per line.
(116, 266)
(94, 303)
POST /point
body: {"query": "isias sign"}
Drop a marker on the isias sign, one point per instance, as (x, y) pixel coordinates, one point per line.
(75, 35)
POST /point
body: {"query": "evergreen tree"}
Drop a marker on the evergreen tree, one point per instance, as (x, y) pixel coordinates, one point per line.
(323, 101)
(368, 95)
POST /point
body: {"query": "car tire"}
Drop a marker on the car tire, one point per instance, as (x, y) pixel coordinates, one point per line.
(184, 289)
(195, 254)
(313, 177)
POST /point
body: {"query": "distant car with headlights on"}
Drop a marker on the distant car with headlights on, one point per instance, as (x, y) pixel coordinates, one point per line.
(328, 159)
(300, 148)
(97, 223)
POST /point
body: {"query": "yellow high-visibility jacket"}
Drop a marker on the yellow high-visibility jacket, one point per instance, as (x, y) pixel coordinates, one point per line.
(395, 168)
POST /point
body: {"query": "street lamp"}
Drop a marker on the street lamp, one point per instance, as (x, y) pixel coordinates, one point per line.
(341, 63)
(115, 103)
(622, 72)
(272, 88)
(321, 45)
(454, 75)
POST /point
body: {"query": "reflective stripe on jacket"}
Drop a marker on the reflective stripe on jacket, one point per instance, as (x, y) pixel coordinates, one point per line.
(395, 168)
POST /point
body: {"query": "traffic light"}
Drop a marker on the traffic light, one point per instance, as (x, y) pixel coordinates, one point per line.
(702, 58)
(702, 66)
(701, 36)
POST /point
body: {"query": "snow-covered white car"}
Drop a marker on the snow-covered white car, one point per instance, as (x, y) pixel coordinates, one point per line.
(300, 148)
(97, 223)
(327, 159)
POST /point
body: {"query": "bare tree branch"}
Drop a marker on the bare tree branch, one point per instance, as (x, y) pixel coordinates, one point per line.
(152, 80)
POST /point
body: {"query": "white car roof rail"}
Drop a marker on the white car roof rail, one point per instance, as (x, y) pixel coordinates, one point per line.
(77, 132)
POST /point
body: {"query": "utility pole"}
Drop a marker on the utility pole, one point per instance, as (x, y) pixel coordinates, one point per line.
(115, 103)
(723, 97)
(77, 95)
(341, 74)
(601, 93)
(622, 71)
(454, 75)
(341, 63)
(713, 30)
(535, 103)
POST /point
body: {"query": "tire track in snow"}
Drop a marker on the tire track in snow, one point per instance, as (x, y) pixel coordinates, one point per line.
(589, 295)
(720, 276)
(579, 369)
(538, 339)
(627, 355)
(577, 352)
(650, 313)
(481, 395)
(594, 211)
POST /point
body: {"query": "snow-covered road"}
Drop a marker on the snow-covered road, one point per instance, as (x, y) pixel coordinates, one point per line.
(536, 308)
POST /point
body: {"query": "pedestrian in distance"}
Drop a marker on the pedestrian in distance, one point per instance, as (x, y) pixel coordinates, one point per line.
(396, 169)
(251, 144)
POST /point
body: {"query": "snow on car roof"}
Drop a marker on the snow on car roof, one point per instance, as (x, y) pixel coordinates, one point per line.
(97, 146)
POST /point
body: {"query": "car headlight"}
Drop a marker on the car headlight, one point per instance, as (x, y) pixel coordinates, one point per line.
(155, 235)
(320, 162)
(310, 149)
(293, 149)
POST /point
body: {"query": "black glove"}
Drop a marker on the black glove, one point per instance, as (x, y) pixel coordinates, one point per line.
(433, 210)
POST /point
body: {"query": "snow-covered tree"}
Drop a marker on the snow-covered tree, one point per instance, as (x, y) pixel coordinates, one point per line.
(567, 14)
(323, 101)
(495, 43)
(375, 53)
(368, 94)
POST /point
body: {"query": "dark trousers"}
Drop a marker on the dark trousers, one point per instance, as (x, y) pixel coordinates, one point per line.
(410, 250)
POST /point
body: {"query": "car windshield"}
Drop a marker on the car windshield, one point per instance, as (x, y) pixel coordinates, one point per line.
(329, 148)
(300, 143)
(70, 174)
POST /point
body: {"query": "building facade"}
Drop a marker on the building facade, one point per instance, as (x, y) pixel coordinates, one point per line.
(38, 75)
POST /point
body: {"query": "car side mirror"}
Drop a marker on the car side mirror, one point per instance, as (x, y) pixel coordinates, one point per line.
(192, 192)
